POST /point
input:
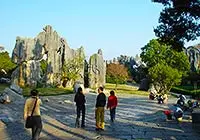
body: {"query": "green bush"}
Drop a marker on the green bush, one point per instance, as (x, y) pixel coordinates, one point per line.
(188, 91)
(112, 80)
(188, 87)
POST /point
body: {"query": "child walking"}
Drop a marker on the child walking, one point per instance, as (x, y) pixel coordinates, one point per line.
(112, 104)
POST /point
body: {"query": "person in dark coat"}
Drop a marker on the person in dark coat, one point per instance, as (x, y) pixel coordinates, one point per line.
(99, 112)
(80, 107)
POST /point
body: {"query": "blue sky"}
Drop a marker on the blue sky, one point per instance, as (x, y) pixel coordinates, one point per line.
(115, 26)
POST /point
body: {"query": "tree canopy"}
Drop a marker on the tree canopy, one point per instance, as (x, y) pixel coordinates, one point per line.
(165, 65)
(179, 22)
(6, 65)
(72, 68)
(43, 66)
(116, 73)
(128, 62)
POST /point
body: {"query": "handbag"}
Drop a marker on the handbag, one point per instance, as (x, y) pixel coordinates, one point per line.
(29, 120)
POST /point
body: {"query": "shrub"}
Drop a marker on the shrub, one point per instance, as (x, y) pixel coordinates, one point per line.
(193, 93)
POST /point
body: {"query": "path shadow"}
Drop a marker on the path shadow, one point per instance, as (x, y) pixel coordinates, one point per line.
(16, 131)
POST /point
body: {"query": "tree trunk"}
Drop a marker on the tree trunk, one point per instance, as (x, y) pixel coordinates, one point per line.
(21, 80)
(116, 84)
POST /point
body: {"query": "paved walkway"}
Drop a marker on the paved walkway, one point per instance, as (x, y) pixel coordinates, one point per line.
(137, 118)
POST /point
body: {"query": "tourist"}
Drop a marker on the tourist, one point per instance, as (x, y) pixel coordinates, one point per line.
(165, 98)
(32, 108)
(80, 107)
(151, 96)
(112, 104)
(99, 111)
(181, 100)
(160, 99)
(178, 114)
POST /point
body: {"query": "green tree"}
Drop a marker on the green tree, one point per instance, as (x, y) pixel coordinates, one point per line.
(116, 73)
(179, 22)
(164, 77)
(166, 67)
(128, 62)
(6, 65)
(43, 66)
(72, 68)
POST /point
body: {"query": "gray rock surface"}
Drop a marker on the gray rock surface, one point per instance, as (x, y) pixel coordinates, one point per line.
(16, 88)
(193, 52)
(30, 51)
(13, 95)
(1, 48)
(97, 70)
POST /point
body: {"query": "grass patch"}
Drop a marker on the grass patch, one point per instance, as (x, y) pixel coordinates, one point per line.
(122, 88)
(3, 86)
(48, 91)
(42, 91)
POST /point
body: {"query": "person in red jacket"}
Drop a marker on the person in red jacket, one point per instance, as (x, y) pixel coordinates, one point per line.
(112, 104)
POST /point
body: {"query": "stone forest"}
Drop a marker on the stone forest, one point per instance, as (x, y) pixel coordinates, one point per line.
(49, 47)
(136, 85)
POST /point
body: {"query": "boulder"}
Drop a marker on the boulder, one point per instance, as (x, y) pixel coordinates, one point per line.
(5, 99)
(46, 99)
(60, 102)
(68, 102)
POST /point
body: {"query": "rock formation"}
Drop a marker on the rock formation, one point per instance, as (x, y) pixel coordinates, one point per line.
(1, 48)
(97, 70)
(54, 50)
(193, 52)
(29, 52)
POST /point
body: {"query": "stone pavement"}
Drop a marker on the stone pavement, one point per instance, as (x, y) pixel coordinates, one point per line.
(137, 118)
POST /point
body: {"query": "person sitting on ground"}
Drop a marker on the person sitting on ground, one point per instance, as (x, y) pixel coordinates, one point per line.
(181, 100)
(151, 96)
(160, 99)
(178, 113)
(165, 98)
(195, 104)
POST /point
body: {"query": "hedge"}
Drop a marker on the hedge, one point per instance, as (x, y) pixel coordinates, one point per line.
(193, 93)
